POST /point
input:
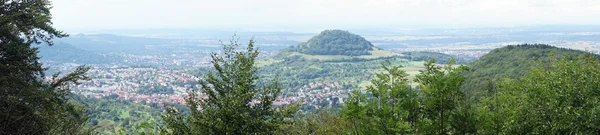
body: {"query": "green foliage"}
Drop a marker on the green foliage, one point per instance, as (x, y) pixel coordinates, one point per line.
(355, 112)
(441, 95)
(425, 56)
(335, 42)
(28, 103)
(110, 115)
(294, 74)
(233, 104)
(31, 105)
(393, 108)
(28, 20)
(323, 122)
(297, 72)
(510, 62)
(557, 97)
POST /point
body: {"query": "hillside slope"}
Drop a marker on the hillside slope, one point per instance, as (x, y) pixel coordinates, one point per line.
(440, 58)
(66, 53)
(335, 42)
(511, 62)
(107, 43)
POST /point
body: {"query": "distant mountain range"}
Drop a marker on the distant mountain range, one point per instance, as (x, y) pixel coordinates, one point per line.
(62, 52)
(95, 49)
(107, 43)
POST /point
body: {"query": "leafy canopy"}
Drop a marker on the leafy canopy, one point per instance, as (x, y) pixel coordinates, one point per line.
(335, 42)
(392, 108)
(558, 97)
(29, 104)
(513, 62)
(229, 101)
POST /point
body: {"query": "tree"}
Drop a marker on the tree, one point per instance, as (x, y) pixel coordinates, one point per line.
(28, 103)
(323, 122)
(394, 107)
(556, 97)
(229, 101)
(355, 112)
(513, 61)
(440, 89)
(28, 20)
(335, 42)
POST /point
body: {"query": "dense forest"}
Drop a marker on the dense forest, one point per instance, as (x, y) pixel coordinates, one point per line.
(440, 57)
(109, 115)
(335, 42)
(512, 62)
(29, 104)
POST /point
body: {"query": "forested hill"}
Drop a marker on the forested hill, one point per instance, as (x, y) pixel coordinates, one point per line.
(440, 58)
(335, 42)
(65, 53)
(511, 61)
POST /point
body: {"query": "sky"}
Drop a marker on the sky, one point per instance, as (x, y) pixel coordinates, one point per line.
(282, 15)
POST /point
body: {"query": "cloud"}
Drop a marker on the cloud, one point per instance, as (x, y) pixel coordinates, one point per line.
(105, 14)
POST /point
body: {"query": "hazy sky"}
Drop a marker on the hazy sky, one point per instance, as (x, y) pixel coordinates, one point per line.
(318, 14)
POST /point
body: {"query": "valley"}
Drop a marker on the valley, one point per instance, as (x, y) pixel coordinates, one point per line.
(162, 72)
(308, 67)
(181, 62)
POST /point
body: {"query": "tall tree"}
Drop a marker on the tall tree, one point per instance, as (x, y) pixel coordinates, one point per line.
(28, 20)
(28, 104)
(229, 101)
(440, 89)
(394, 107)
(557, 97)
(323, 122)
(355, 112)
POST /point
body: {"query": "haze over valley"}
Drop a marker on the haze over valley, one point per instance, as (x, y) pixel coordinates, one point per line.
(127, 63)
(306, 67)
